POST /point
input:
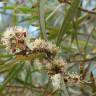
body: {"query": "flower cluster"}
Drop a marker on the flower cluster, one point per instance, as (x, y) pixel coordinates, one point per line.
(72, 78)
(69, 79)
(14, 39)
(55, 71)
(40, 45)
(57, 66)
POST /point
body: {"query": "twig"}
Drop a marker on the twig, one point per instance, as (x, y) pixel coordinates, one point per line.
(84, 60)
(82, 9)
(86, 71)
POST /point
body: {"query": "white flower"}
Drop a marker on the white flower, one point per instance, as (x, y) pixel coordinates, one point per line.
(42, 44)
(58, 66)
(52, 47)
(72, 78)
(39, 43)
(12, 38)
(16, 39)
(56, 81)
(59, 62)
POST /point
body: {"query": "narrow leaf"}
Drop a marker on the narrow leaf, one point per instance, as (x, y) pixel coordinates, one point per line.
(16, 69)
(42, 18)
(68, 18)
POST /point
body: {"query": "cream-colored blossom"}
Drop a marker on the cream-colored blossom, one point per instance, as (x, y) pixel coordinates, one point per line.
(59, 62)
(42, 44)
(52, 47)
(39, 43)
(57, 65)
(11, 37)
(16, 39)
(72, 78)
(56, 81)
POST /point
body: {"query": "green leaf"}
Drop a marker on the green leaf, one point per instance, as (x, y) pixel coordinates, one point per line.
(5, 55)
(25, 9)
(88, 39)
(67, 20)
(28, 78)
(42, 19)
(4, 67)
(2, 46)
(8, 7)
(15, 70)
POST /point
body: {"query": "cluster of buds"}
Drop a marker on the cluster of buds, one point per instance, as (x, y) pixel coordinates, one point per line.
(71, 78)
(57, 66)
(55, 71)
(40, 45)
(14, 39)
